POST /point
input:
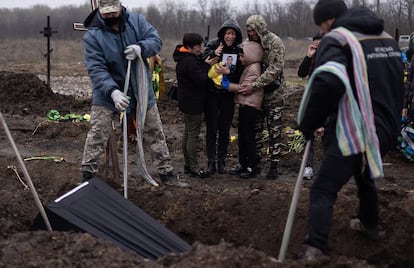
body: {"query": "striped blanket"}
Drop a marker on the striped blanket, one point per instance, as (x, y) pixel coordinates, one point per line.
(355, 128)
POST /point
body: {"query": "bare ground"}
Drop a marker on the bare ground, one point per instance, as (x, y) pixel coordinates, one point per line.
(230, 222)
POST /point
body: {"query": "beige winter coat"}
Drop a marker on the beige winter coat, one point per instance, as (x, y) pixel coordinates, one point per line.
(252, 57)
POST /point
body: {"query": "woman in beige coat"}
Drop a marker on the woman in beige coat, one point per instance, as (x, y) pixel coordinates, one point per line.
(249, 109)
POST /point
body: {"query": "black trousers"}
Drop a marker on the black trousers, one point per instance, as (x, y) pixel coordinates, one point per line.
(335, 171)
(247, 136)
(219, 115)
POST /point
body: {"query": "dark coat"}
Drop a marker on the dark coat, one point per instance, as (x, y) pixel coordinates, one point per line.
(385, 77)
(306, 67)
(192, 78)
(210, 48)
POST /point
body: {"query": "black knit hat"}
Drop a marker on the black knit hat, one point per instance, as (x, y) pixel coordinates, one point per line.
(328, 9)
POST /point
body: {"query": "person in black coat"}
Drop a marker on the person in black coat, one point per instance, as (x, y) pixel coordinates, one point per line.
(308, 63)
(356, 60)
(192, 77)
(305, 70)
(220, 103)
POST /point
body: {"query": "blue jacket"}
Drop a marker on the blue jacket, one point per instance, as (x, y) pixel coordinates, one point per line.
(105, 59)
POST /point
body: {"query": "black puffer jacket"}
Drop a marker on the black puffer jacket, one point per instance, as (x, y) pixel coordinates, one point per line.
(192, 78)
(210, 48)
(385, 77)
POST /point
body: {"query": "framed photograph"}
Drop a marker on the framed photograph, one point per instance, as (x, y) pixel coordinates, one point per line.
(229, 59)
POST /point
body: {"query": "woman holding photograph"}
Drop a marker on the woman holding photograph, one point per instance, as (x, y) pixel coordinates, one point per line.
(220, 103)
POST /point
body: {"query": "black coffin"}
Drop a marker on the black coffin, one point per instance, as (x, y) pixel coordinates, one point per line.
(96, 208)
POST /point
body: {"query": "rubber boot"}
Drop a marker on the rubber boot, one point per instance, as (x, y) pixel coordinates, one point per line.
(221, 167)
(272, 172)
(211, 168)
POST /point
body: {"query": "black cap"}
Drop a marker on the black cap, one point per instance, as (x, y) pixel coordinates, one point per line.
(328, 9)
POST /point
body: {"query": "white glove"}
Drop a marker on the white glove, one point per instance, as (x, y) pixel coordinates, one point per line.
(132, 52)
(120, 100)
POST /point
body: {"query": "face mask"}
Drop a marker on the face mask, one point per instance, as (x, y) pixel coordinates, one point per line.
(111, 21)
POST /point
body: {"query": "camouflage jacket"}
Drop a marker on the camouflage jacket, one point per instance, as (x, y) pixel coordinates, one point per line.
(273, 51)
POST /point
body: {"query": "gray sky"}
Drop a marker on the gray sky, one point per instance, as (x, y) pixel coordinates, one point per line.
(126, 3)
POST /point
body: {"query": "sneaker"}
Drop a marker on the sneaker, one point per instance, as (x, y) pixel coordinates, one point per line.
(249, 173)
(308, 173)
(372, 234)
(200, 173)
(237, 170)
(312, 254)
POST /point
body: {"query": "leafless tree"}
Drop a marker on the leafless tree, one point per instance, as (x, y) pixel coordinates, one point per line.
(173, 18)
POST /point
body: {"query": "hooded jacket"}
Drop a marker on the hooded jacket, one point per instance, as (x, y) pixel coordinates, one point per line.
(252, 56)
(191, 72)
(385, 77)
(273, 51)
(105, 59)
(210, 48)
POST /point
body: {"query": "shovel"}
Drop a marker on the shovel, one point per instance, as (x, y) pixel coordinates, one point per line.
(293, 205)
(26, 175)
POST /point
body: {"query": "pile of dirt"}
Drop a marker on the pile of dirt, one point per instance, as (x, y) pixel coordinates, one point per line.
(25, 94)
(230, 222)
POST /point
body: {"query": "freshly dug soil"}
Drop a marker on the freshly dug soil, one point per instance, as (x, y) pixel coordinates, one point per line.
(230, 222)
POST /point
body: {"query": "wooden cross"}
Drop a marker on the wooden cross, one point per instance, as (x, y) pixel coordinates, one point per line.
(78, 26)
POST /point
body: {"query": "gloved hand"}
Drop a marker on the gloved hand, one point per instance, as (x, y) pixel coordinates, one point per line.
(120, 100)
(225, 82)
(132, 52)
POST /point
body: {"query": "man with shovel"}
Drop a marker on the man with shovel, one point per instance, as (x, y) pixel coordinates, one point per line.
(355, 94)
(114, 38)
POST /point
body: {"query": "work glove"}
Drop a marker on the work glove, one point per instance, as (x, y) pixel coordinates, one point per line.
(120, 100)
(132, 52)
(225, 82)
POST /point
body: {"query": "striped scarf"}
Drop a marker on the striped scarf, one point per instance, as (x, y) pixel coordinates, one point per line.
(355, 127)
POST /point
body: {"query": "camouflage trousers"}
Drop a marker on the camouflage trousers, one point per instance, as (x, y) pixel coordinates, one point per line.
(101, 127)
(269, 129)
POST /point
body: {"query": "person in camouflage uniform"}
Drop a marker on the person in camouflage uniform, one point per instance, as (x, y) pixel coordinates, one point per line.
(273, 102)
(115, 37)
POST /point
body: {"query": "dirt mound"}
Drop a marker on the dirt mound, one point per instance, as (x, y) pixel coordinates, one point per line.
(230, 222)
(25, 93)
